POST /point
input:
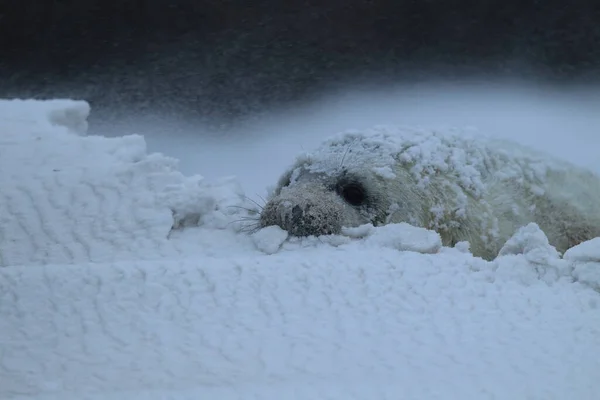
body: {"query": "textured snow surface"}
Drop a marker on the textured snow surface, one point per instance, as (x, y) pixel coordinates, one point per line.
(70, 199)
(120, 278)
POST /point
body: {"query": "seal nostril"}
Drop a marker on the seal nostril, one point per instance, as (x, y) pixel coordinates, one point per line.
(297, 212)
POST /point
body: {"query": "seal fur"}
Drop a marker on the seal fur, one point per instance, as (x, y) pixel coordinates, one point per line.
(465, 187)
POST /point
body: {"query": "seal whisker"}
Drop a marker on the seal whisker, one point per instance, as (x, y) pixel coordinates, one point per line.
(247, 226)
(263, 199)
(250, 229)
(346, 153)
(243, 208)
(246, 219)
(258, 205)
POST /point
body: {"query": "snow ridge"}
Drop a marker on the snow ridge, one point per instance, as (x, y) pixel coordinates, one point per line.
(330, 319)
(68, 199)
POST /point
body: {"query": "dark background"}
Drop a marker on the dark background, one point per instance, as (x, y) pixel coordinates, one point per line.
(218, 60)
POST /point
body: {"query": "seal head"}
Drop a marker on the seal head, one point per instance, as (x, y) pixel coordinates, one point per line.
(320, 204)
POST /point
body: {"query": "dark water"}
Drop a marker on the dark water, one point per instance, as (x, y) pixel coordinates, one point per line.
(219, 60)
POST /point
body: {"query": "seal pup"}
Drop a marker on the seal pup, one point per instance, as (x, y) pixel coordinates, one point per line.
(463, 186)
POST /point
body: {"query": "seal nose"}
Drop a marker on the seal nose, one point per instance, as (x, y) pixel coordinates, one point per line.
(307, 219)
(305, 210)
(303, 222)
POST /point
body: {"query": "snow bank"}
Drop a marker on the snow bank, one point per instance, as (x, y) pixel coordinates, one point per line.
(68, 199)
(123, 279)
(399, 324)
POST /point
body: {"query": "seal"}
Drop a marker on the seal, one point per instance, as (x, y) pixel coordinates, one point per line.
(458, 183)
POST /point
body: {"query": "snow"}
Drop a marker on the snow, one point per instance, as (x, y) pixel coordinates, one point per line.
(123, 278)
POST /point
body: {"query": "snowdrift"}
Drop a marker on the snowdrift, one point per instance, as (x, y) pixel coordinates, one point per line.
(120, 278)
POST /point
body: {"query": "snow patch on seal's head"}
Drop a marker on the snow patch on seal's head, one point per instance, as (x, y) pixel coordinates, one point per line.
(464, 154)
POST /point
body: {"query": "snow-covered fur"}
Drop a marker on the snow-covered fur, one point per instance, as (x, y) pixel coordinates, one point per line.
(464, 186)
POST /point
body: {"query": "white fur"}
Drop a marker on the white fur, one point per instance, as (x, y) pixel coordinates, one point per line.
(466, 187)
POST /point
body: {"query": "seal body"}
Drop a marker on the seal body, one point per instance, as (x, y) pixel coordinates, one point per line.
(465, 187)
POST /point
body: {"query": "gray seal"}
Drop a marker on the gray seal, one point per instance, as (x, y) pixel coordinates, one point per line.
(462, 185)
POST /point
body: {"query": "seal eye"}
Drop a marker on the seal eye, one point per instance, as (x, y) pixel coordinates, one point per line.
(354, 194)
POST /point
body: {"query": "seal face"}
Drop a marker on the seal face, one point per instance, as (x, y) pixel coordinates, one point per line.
(320, 204)
(460, 185)
(306, 210)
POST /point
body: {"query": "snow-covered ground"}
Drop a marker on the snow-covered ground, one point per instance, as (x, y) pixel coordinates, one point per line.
(100, 298)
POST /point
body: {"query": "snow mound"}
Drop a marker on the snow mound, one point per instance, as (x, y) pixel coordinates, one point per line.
(350, 323)
(120, 278)
(586, 261)
(43, 115)
(66, 198)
